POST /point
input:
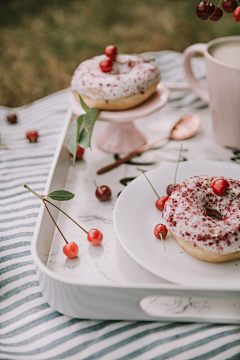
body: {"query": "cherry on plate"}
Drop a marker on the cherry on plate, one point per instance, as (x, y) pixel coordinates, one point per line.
(205, 10)
(220, 186)
(111, 52)
(161, 202)
(12, 118)
(160, 228)
(170, 188)
(32, 136)
(71, 250)
(80, 152)
(103, 193)
(95, 237)
(106, 65)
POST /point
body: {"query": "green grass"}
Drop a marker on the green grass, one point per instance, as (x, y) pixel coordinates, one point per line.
(42, 42)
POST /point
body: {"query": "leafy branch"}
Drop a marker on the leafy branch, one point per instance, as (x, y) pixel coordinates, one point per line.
(80, 130)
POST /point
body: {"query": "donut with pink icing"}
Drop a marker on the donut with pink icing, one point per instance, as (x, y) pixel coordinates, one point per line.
(187, 216)
(131, 81)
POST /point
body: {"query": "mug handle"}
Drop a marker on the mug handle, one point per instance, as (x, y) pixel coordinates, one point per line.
(194, 83)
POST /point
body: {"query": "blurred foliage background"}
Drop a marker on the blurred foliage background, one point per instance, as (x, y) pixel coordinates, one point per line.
(42, 42)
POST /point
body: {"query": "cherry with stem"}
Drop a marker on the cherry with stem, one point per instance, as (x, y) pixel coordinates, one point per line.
(161, 200)
(89, 234)
(171, 187)
(160, 231)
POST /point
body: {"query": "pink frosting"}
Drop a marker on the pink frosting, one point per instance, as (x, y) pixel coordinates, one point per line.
(126, 78)
(186, 216)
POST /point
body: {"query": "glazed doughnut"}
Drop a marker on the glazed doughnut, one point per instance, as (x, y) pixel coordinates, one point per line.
(186, 214)
(131, 82)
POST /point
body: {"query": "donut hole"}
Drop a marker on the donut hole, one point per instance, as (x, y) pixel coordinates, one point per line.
(214, 214)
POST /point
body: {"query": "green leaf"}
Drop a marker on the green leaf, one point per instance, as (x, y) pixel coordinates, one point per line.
(80, 121)
(85, 135)
(89, 121)
(61, 195)
(83, 104)
(71, 139)
(72, 136)
(90, 118)
(84, 139)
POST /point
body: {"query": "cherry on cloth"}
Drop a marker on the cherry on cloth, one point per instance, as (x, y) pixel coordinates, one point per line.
(32, 136)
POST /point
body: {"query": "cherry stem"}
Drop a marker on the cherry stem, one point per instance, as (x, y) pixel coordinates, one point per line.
(95, 183)
(149, 182)
(43, 198)
(66, 215)
(54, 221)
(175, 176)
(27, 187)
(232, 194)
(160, 234)
(219, 4)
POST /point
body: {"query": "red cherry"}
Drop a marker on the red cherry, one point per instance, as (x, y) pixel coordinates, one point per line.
(71, 250)
(32, 136)
(161, 202)
(160, 228)
(80, 152)
(103, 193)
(12, 118)
(219, 186)
(170, 188)
(95, 237)
(229, 5)
(106, 65)
(111, 52)
(205, 10)
(236, 14)
(217, 14)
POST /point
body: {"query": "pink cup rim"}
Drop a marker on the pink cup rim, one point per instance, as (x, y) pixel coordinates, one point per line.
(225, 39)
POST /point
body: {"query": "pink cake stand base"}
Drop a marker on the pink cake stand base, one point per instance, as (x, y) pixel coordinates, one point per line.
(121, 134)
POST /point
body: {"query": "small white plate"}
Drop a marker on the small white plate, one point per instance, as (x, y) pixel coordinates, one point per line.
(135, 217)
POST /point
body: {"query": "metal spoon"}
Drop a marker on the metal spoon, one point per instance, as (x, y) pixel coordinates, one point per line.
(185, 128)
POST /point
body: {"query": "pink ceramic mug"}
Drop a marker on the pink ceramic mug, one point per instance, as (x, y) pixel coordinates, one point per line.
(223, 86)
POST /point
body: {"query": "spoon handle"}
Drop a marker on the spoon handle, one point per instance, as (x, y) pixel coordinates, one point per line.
(129, 156)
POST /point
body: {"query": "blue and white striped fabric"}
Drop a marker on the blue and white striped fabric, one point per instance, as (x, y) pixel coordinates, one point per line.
(30, 329)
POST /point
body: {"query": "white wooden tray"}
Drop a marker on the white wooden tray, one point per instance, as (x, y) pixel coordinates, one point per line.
(104, 282)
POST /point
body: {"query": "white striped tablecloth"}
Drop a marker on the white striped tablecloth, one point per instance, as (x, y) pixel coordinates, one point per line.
(30, 328)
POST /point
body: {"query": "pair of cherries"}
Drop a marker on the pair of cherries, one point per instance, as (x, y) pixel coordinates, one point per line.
(31, 135)
(160, 230)
(106, 65)
(94, 236)
(207, 10)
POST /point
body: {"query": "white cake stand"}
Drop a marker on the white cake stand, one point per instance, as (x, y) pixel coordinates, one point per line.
(121, 135)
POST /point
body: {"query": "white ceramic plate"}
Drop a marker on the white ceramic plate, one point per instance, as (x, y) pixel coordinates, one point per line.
(135, 217)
